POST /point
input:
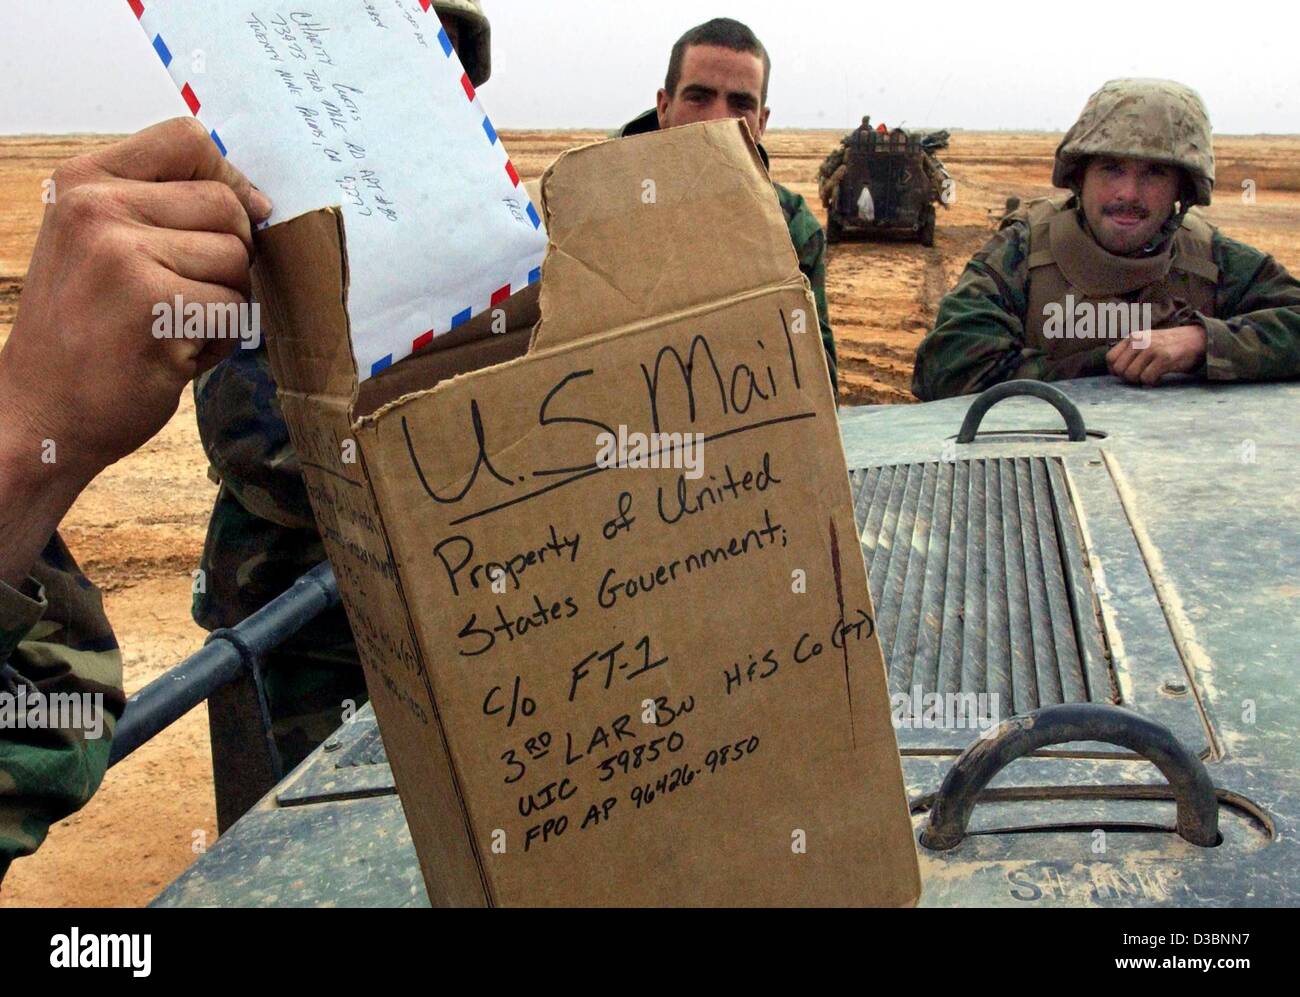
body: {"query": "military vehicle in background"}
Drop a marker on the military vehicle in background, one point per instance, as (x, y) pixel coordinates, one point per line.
(884, 181)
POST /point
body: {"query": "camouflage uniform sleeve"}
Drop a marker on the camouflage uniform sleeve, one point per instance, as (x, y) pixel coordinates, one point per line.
(978, 337)
(262, 534)
(1257, 334)
(810, 246)
(247, 441)
(55, 644)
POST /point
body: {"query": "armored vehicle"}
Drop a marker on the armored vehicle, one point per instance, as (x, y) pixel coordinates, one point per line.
(1090, 635)
(883, 181)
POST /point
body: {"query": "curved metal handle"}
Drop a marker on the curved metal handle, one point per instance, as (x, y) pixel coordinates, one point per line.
(1012, 389)
(1194, 793)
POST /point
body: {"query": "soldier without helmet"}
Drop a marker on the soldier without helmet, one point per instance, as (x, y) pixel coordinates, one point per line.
(1125, 242)
(719, 69)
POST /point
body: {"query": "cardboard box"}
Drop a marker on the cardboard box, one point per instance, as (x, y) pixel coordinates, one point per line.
(610, 684)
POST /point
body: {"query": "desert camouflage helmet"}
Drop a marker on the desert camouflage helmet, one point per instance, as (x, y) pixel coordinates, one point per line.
(475, 48)
(1158, 120)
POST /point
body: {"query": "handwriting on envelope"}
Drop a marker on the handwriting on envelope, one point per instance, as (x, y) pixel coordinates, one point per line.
(363, 104)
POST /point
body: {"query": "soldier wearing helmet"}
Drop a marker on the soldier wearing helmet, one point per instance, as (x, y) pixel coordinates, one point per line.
(1123, 275)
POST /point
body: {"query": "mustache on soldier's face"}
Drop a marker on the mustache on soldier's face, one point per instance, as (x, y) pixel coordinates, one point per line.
(1125, 208)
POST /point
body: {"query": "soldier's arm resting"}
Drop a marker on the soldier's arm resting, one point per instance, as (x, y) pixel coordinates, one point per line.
(1257, 334)
(84, 382)
(978, 338)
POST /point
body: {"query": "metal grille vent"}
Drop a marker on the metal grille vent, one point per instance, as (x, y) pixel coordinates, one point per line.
(978, 580)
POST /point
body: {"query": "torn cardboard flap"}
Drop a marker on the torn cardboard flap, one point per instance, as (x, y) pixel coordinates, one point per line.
(301, 282)
(609, 594)
(684, 217)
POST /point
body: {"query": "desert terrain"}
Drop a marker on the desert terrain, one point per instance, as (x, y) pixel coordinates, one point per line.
(138, 530)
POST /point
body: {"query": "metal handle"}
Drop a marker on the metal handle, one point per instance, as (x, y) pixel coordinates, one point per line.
(1012, 389)
(1194, 793)
(225, 656)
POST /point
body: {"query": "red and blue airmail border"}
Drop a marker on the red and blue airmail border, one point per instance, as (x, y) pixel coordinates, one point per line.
(195, 105)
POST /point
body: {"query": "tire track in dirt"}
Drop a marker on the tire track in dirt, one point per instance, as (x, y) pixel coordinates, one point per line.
(883, 297)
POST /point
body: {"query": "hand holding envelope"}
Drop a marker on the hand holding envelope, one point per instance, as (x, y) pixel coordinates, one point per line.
(331, 102)
(187, 230)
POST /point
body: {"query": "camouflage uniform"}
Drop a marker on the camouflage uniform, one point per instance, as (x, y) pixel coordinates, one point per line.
(261, 537)
(810, 246)
(979, 334)
(54, 639)
(984, 332)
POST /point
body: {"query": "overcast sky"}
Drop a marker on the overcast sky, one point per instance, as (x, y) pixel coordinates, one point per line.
(85, 66)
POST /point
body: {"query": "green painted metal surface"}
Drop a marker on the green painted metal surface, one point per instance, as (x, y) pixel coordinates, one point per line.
(1188, 501)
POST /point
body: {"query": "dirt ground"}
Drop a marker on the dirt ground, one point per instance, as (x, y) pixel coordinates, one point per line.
(138, 530)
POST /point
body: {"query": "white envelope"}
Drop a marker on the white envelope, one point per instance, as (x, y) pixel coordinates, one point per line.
(364, 104)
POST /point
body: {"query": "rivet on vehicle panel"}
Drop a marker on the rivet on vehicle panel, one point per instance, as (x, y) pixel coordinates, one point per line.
(332, 744)
(1174, 687)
